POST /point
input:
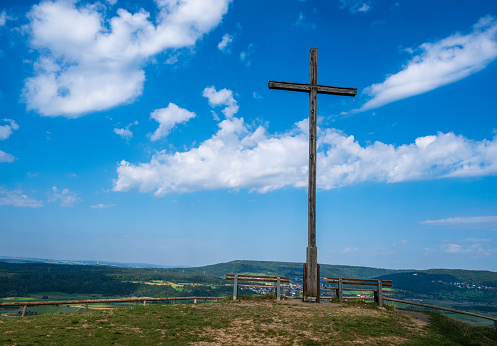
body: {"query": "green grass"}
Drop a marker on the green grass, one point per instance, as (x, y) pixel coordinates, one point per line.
(446, 331)
(251, 321)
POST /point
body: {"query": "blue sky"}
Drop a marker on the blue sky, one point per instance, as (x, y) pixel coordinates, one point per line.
(145, 131)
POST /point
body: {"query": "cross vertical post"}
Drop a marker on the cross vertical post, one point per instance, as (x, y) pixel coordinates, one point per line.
(312, 250)
(311, 271)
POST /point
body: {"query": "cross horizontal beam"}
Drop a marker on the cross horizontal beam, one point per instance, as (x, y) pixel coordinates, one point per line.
(321, 89)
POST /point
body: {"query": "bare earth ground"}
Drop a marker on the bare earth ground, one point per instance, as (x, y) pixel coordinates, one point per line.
(416, 314)
(295, 322)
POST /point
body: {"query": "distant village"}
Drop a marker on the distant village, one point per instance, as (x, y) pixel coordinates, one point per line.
(466, 286)
(295, 289)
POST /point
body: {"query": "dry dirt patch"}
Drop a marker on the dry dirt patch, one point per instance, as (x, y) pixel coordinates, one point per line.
(289, 322)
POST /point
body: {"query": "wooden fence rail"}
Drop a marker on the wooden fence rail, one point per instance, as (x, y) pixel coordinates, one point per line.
(261, 281)
(377, 287)
(110, 300)
(435, 308)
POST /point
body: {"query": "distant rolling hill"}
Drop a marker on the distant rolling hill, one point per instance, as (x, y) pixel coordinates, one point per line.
(73, 262)
(291, 269)
(20, 276)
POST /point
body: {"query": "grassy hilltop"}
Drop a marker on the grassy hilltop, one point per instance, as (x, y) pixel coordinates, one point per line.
(248, 322)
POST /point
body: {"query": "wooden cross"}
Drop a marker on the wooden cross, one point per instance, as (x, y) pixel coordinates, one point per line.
(311, 268)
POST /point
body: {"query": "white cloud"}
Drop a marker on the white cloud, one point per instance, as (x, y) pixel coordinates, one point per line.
(125, 133)
(66, 197)
(440, 63)
(6, 130)
(223, 97)
(302, 22)
(6, 157)
(300, 19)
(245, 55)
(355, 6)
(476, 240)
(89, 62)
(168, 117)
(475, 249)
(18, 199)
(238, 156)
(364, 8)
(349, 249)
(102, 206)
(3, 18)
(465, 222)
(223, 46)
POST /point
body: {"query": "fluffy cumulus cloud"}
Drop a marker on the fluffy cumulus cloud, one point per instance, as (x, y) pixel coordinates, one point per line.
(239, 156)
(17, 199)
(88, 62)
(6, 130)
(167, 118)
(233, 158)
(224, 45)
(65, 197)
(222, 97)
(440, 63)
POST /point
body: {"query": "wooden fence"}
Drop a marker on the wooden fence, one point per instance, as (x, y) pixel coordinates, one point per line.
(263, 281)
(110, 300)
(436, 308)
(380, 298)
(376, 286)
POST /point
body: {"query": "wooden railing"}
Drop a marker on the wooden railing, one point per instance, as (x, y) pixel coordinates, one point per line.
(110, 300)
(258, 281)
(436, 308)
(377, 287)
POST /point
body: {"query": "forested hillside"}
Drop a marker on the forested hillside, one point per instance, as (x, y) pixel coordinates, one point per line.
(21, 279)
(461, 286)
(287, 269)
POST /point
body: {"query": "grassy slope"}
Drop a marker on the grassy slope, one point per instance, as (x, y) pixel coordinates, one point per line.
(242, 322)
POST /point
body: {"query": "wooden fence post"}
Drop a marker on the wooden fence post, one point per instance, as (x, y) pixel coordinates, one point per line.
(144, 303)
(195, 301)
(318, 298)
(235, 287)
(380, 293)
(86, 306)
(278, 288)
(340, 290)
(304, 286)
(24, 310)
